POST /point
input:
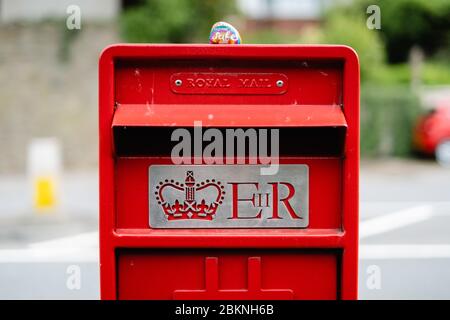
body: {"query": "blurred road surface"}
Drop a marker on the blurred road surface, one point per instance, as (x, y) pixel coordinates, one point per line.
(404, 236)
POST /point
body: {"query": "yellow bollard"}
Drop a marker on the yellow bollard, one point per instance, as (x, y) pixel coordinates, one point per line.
(45, 197)
(44, 169)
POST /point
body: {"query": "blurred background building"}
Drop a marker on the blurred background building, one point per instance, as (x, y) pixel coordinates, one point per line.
(48, 77)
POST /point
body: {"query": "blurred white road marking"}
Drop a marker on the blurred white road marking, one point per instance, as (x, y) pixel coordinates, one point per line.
(90, 255)
(79, 248)
(84, 248)
(404, 251)
(82, 240)
(395, 220)
(49, 255)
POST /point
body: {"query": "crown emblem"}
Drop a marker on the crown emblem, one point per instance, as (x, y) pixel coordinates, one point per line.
(200, 200)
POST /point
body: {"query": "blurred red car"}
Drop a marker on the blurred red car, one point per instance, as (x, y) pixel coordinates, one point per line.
(432, 134)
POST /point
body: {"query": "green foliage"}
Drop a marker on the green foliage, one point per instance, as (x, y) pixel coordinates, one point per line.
(173, 21)
(352, 31)
(436, 73)
(433, 73)
(270, 36)
(388, 115)
(393, 74)
(405, 23)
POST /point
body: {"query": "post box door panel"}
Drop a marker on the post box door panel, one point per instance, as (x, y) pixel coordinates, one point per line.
(227, 275)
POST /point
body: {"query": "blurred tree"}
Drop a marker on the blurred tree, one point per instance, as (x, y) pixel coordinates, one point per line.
(408, 23)
(173, 21)
(342, 29)
(388, 115)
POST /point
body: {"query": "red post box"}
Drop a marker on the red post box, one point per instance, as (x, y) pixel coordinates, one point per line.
(192, 203)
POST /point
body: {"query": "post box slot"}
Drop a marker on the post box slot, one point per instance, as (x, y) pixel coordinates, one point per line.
(141, 130)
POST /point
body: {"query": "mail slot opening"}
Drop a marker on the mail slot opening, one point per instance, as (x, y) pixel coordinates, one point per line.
(296, 130)
(156, 141)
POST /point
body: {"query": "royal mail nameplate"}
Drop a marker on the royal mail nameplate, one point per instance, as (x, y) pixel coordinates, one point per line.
(228, 83)
(228, 196)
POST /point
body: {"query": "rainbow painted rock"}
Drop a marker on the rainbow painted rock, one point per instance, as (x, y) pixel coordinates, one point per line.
(224, 33)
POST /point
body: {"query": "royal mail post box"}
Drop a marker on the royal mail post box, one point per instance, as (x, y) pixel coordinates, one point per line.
(229, 172)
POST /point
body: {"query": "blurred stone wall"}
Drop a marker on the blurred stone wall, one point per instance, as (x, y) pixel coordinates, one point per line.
(48, 88)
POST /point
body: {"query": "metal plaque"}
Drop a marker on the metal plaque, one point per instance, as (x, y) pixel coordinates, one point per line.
(228, 83)
(228, 196)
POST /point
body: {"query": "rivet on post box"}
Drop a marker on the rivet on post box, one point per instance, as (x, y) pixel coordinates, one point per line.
(229, 172)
